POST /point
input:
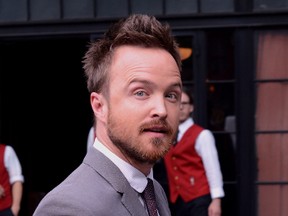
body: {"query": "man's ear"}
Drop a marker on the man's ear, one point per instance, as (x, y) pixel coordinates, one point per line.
(191, 108)
(99, 105)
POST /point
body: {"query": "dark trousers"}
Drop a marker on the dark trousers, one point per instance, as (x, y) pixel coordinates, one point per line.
(6, 212)
(196, 207)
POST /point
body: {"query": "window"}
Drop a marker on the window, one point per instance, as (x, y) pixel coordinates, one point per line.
(272, 122)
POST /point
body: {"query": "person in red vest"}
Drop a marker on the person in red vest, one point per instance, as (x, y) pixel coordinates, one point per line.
(193, 169)
(11, 182)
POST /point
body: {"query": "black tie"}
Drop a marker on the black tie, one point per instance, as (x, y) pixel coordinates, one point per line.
(149, 198)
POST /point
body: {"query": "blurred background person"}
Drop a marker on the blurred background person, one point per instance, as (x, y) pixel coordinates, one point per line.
(193, 169)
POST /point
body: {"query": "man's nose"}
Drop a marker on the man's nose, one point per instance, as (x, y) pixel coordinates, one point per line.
(160, 108)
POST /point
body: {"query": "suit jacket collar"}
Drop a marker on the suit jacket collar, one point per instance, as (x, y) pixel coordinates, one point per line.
(106, 168)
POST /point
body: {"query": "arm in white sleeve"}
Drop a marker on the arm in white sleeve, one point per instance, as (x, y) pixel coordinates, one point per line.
(13, 165)
(206, 148)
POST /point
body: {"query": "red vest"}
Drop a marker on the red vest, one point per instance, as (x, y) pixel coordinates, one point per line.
(185, 169)
(6, 201)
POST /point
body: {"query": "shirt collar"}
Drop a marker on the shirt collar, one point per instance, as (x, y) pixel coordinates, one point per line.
(136, 179)
(184, 126)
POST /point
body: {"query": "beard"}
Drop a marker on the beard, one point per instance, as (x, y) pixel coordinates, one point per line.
(137, 147)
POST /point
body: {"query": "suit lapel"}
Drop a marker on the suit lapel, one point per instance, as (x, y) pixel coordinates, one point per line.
(131, 201)
(114, 176)
(161, 199)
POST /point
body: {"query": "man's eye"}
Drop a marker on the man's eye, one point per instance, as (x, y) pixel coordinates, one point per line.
(172, 96)
(140, 93)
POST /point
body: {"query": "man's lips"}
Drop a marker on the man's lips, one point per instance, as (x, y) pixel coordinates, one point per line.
(156, 129)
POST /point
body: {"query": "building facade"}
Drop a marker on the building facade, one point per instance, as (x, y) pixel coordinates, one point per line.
(237, 66)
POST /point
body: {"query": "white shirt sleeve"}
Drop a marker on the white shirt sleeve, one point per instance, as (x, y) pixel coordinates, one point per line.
(206, 148)
(13, 165)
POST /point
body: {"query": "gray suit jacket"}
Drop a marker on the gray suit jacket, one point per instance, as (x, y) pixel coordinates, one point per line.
(97, 188)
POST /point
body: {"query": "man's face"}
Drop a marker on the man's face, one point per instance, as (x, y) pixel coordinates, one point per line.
(144, 101)
(186, 107)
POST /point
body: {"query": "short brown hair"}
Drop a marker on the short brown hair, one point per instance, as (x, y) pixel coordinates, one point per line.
(139, 30)
(188, 92)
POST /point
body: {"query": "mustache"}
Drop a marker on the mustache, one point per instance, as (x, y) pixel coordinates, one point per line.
(157, 125)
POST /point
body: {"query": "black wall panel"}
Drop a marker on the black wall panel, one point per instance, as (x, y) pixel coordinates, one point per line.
(13, 10)
(216, 6)
(181, 7)
(45, 10)
(112, 8)
(152, 7)
(78, 9)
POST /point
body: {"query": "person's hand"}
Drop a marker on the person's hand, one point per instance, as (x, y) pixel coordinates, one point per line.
(215, 207)
(2, 192)
(15, 210)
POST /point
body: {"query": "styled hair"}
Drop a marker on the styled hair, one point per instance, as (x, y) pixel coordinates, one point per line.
(137, 29)
(188, 92)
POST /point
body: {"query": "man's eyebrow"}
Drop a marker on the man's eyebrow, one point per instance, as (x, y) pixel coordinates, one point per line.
(178, 84)
(140, 80)
(144, 81)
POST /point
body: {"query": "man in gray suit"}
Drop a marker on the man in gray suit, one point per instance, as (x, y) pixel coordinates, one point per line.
(133, 76)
